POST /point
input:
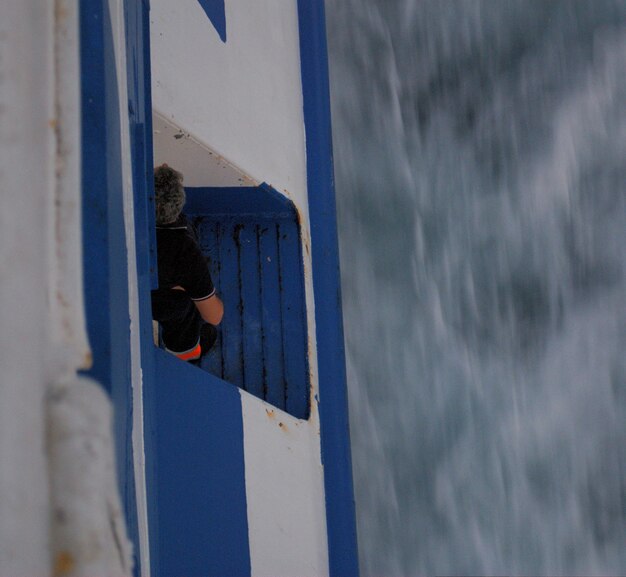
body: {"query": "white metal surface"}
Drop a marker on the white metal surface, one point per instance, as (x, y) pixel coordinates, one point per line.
(200, 165)
(284, 491)
(26, 141)
(242, 98)
(51, 520)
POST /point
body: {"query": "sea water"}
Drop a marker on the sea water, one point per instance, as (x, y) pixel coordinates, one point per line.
(480, 161)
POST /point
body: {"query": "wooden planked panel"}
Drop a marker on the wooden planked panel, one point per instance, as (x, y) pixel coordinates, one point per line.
(294, 332)
(271, 314)
(208, 232)
(256, 265)
(251, 314)
(232, 346)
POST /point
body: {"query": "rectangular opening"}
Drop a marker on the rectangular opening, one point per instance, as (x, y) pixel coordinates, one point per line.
(250, 234)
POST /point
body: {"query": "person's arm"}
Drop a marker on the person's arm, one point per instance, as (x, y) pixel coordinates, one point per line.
(211, 309)
(197, 282)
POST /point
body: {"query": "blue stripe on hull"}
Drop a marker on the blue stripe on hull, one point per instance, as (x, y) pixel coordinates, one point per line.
(335, 440)
(105, 263)
(200, 482)
(216, 11)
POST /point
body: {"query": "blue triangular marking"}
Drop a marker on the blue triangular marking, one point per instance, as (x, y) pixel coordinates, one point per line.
(217, 15)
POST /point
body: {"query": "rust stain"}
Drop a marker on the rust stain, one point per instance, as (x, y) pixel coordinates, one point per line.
(270, 413)
(61, 11)
(298, 215)
(63, 564)
(52, 123)
(289, 196)
(87, 361)
(313, 398)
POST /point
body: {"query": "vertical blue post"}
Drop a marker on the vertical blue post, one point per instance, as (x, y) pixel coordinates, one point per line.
(105, 256)
(137, 22)
(340, 513)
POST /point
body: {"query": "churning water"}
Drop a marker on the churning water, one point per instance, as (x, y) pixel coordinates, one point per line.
(480, 160)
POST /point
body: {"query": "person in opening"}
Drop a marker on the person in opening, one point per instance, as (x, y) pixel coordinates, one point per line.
(185, 304)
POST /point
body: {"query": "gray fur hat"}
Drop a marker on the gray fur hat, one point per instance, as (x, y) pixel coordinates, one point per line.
(169, 194)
